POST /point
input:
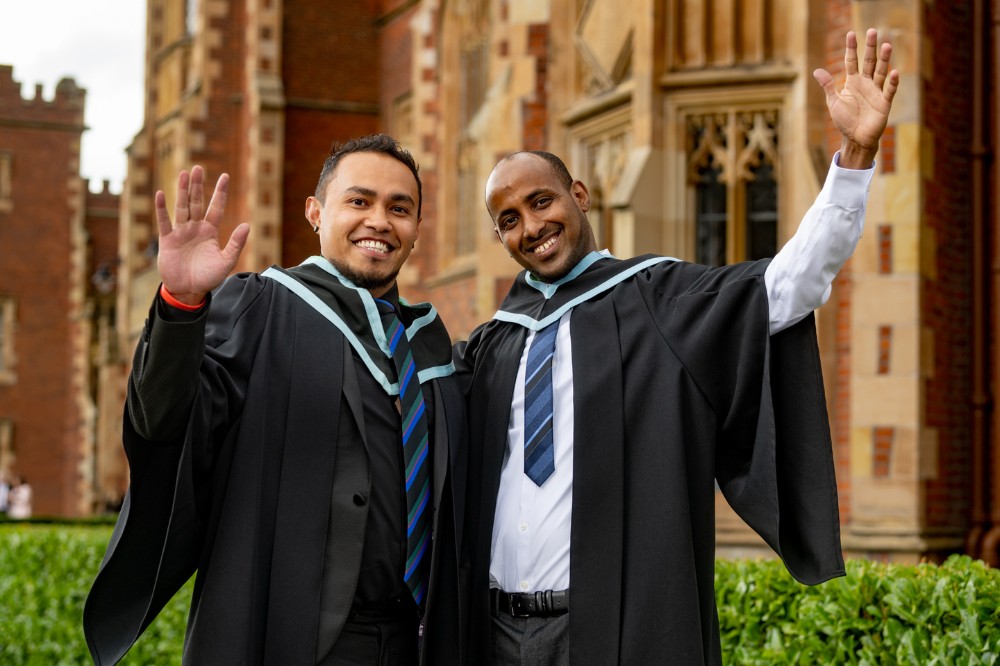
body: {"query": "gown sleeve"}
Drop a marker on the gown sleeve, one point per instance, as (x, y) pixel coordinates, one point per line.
(773, 451)
(185, 394)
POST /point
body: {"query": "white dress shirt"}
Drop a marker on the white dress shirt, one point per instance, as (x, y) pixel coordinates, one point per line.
(531, 528)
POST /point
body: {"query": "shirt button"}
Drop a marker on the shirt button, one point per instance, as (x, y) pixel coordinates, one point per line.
(524, 585)
(524, 527)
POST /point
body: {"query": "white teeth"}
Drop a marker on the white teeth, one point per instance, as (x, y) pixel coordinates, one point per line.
(544, 246)
(378, 246)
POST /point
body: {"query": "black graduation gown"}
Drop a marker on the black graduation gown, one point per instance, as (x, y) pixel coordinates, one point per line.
(676, 383)
(249, 493)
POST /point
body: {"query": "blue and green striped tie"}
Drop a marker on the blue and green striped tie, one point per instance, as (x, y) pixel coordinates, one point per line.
(417, 467)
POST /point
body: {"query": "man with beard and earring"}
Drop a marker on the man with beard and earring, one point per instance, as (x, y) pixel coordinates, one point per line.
(607, 397)
(294, 438)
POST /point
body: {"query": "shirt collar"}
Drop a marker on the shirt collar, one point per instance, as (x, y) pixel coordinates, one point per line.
(549, 288)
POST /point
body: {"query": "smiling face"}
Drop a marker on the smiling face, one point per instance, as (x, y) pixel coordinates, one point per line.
(368, 219)
(540, 219)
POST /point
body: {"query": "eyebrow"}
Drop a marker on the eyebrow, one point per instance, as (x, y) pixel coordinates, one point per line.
(364, 191)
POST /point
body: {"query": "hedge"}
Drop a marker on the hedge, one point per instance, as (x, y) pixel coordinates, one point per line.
(45, 573)
(877, 614)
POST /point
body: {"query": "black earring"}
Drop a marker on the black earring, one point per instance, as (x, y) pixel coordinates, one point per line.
(316, 228)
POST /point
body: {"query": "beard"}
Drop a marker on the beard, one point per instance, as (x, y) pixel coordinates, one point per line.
(369, 280)
(580, 250)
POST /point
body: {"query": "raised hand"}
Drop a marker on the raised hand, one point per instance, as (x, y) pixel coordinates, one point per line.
(861, 109)
(191, 261)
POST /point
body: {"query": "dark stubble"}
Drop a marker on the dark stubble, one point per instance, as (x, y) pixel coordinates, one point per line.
(363, 280)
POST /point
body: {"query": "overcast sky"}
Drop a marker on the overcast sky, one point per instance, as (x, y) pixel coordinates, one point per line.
(100, 44)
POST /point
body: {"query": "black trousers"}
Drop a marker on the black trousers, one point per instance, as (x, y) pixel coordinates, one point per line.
(530, 641)
(376, 644)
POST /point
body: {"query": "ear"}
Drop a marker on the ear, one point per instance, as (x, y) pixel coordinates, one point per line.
(417, 230)
(313, 210)
(581, 195)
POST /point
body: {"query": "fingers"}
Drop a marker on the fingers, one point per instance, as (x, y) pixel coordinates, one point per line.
(871, 43)
(882, 67)
(218, 203)
(851, 54)
(236, 242)
(181, 209)
(825, 80)
(162, 217)
(892, 82)
(196, 199)
(190, 204)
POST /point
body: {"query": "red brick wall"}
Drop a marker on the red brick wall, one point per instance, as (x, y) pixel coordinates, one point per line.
(331, 50)
(945, 305)
(35, 247)
(101, 222)
(329, 57)
(396, 62)
(308, 137)
(535, 109)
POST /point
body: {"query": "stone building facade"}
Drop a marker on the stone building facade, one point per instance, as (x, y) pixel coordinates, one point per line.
(702, 135)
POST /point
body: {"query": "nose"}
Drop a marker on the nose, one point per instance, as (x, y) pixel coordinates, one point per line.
(534, 226)
(378, 220)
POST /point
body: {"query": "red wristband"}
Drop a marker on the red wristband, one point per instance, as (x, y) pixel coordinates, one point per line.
(173, 302)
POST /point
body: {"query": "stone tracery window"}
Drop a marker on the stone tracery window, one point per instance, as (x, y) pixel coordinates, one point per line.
(732, 167)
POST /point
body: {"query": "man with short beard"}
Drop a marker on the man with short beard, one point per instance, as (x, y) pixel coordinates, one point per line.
(294, 438)
(608, 396)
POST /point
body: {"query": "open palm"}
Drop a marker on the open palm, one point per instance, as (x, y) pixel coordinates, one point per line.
(860, 110)
(191, 261)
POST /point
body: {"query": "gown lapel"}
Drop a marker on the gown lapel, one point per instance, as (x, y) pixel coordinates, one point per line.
(598, 487)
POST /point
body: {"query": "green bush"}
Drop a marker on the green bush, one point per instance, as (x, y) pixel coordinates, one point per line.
(45, 573)
(878, 614)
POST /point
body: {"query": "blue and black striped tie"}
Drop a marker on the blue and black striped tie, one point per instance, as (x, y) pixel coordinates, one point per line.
(417, 467)
(539, 454)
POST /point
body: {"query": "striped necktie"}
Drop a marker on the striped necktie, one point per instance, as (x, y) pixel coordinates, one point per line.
(416, 466)
(539, 454)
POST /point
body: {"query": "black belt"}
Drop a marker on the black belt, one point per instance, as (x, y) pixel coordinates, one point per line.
(529, 604)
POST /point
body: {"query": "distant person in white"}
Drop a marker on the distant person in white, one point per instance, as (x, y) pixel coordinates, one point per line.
(19, 500)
